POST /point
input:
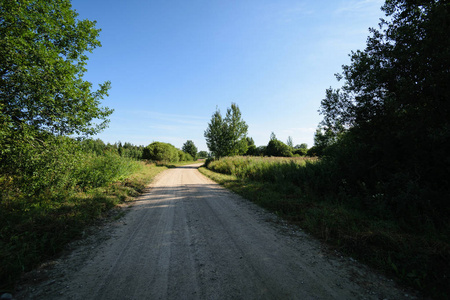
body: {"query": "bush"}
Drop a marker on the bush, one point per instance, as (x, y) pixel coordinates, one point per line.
(162, 152)
(278, 148)
(183, 156)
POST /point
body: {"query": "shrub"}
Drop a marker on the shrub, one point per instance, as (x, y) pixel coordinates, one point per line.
(278, 148)
(163, 152)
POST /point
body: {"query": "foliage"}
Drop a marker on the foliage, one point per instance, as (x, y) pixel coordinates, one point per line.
(183, 156)
(162, 152)
(36, 227)
(129, 150)
(189, 147)
(273, 169)
(324, 138)
(202, 154)
(289, 142)
(226, 136)
(390, 132)
(395, 106)
(42, 63)
(278, 148)
(308, 192)
(37, 167)
(301, 149)
(251, 147)
(302, 146)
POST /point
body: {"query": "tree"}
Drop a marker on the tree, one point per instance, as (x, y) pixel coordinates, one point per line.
(289, 142)
(202, 154)
(189, 147)
(301, 146)
(215, 135)
(251, 148)
(301, 149)
(42, 63)
(226, 136)
(394, 110)
(272, 136)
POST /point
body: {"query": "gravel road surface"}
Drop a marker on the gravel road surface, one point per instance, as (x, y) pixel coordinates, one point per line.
(188, 238)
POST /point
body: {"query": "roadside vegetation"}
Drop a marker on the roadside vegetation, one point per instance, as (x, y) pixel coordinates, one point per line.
(307, 193)
(379, 190)
(59, 187)
(54, 179)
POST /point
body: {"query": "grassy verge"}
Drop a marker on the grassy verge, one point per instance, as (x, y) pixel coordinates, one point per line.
(417, 259)
(35, 230)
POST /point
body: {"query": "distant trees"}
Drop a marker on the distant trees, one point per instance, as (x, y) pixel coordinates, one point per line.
(301, 149)
(202, 154)
(189, 147)
(226, 136)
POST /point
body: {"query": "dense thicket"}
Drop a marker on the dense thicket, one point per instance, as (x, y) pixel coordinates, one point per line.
(43, 96)
(43, 101)
(395, 109)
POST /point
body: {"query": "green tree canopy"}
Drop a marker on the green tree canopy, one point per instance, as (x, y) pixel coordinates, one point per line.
(226, 136)
(278, 148)
(202, 154)
(163, 152)
(42, 63)
(190, 148)
(394, 110)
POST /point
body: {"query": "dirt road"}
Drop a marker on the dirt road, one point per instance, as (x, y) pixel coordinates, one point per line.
(188, 238)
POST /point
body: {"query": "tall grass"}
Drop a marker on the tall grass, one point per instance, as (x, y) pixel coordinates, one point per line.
(51, 191)
(309, 193)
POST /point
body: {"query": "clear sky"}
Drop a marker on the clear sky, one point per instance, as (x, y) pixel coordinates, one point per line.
(172, 63)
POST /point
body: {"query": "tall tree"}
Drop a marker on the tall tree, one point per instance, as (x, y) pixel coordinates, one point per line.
(290, 142)
(226, 136)
(190, 148)
(42, 63)
(236, 131)
(394, 108)
(215, 135)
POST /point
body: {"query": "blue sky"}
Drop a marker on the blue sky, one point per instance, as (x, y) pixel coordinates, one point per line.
(172, 63)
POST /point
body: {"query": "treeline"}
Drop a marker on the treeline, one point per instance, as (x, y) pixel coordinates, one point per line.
(277, 148)
(227, 136)
(157, 151)
(126, 149)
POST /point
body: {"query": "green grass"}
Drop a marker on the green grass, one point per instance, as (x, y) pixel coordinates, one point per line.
(37, 228)
(289, 188)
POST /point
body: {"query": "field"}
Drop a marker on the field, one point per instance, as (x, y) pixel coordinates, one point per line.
(299, 190)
